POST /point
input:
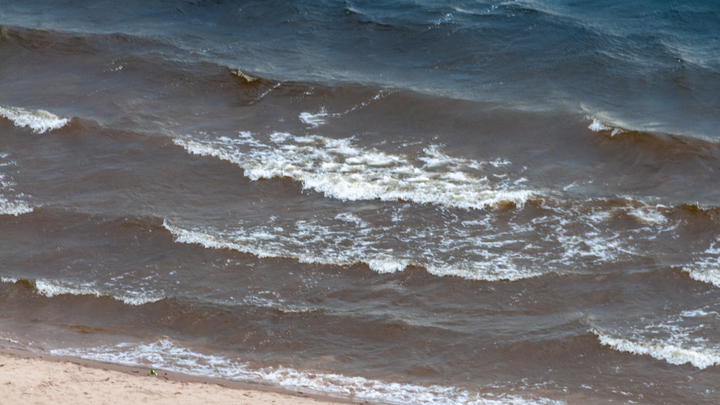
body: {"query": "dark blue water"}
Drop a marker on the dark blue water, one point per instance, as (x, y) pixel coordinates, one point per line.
(649, 66)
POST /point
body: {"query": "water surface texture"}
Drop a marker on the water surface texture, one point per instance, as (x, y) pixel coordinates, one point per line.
(398, 201)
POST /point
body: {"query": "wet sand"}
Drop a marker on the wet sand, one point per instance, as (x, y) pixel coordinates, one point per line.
(26, 378)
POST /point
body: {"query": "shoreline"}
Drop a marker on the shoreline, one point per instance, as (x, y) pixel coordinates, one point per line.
(24, 372)
(31, 377)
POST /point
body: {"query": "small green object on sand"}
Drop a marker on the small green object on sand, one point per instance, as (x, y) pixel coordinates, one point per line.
(152, 372)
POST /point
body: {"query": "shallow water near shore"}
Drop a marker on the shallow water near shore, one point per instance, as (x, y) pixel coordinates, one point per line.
(398, 202)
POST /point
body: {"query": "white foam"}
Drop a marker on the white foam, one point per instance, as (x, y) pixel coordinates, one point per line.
(274, 303)
(599, 126)
(641, 211)
(313, 243)
(9, 204)
(676, 349)
(51, 288)
(648, 215)
(11, 340)
(491, 248)
(706, 267)
(698, 313)
(706, 271)
(348, 217)
(240, 73)
(340, 169)
(314, 120)
(168, 356)
(40, 121)
(14, 207)
(575, 234)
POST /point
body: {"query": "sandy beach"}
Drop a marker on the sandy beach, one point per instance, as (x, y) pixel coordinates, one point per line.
(26, 379)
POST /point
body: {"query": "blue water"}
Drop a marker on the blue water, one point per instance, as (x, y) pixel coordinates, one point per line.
(649, 66)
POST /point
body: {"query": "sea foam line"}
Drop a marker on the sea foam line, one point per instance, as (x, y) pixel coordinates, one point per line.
(39, 121)
(340, 169)
(672, 350)
(263, 245)
(706, 268)
(166, 355)
(50, 288)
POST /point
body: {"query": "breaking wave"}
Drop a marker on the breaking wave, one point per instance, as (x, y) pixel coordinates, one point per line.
(306, 245)
(475, 246)
(706, 267)
(39, 121)
(677, 340)
(50, 288)
(599, 126)
(16, 208)
(698, 356)
(340, 169)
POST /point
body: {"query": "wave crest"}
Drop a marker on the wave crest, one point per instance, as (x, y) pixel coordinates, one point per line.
(14, 207)
(673, 352)
(263, 243)
(599, 126)
(706, 268)
(39, 121)
(340, 169)
(51, 288)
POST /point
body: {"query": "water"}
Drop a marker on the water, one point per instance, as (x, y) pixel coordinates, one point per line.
(400, 201)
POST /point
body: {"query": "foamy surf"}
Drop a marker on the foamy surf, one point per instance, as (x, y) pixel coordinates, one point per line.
(51, 288)
(674, 350)
(40, 121)
(682, 338)
(706, 271)
(706, 267)
(306, 245)
(475, 246)
(15, 208)
(340, 169)
(10, 204)
(166, 355)
(599, 126)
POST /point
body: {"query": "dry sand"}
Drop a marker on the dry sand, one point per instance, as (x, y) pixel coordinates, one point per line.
(40, 381)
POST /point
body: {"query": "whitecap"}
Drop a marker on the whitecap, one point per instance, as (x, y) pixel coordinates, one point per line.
(240, 73)
(318, 244)
(340, 169)
(706, 267)
(52, 288)
(599, 126)
(676, 349)
(14, 207)
(40, 121)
